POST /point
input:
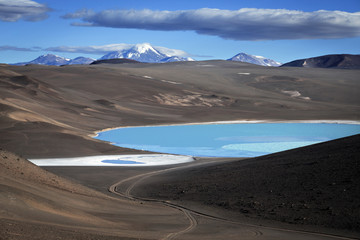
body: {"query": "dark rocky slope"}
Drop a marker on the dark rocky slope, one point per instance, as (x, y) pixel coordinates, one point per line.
(345, 61)
(315, 185)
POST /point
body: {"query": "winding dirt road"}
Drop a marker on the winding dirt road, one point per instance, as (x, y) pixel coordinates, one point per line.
(138, 178)
(124, 187)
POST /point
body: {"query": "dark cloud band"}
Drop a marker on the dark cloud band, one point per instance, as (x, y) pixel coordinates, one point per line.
(242, 24)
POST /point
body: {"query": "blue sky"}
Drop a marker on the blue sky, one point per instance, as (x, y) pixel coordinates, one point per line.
(282, 30)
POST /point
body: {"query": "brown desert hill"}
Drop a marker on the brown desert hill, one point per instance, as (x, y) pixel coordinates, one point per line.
(50, 111)
(36, 204)
(315, 185)
(344, 61)
(35, 113)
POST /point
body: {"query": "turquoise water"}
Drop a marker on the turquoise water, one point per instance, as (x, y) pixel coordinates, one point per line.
(227, 140)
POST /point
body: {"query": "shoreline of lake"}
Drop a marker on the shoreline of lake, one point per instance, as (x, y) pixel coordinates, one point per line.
(228, 138)
(355, 122)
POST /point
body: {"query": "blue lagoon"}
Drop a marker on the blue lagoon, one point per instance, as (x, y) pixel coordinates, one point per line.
(227, 140)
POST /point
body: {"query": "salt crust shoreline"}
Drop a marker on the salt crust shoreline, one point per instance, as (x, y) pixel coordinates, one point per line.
(96, 133)
(138, 159)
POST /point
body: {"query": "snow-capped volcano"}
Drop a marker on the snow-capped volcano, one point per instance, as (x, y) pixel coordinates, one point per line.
(258, 60)
(140, 52)
(144, 52)
(51, 59)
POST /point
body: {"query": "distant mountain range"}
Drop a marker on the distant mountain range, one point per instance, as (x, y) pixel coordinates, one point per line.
(258, 60)
(140, 52)
(146, 53)
(51, 59)
(345, 61)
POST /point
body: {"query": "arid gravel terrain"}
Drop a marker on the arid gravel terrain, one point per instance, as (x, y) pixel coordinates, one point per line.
(47, 111)
(50, 111)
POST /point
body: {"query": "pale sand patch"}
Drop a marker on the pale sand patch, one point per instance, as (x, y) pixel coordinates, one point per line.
(205, 65)
(91, 110)
(34, 117)
(295, 94)
(27, 117)
(292, 93)
(171, 82)
(187, 100)
(140, 160)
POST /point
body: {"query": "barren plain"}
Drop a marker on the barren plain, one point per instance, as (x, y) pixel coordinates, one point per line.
(50, 111)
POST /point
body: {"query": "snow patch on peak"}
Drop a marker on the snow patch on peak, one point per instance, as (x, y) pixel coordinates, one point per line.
(258, 60)
(143, 48)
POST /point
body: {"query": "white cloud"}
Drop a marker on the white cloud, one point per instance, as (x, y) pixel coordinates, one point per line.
(242, 24)
(14, 10)
(172, 52)
(13, 48)
(91, 49)
(104, 49)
